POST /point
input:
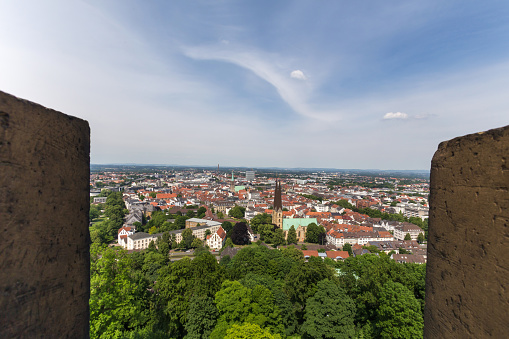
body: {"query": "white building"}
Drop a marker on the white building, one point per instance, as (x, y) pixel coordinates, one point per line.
(401, 231)
(123, 233)
(322, 208)
(141, 240)
(216, 240)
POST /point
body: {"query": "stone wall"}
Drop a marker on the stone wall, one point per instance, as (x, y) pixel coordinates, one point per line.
(467, 278)
(44, 204)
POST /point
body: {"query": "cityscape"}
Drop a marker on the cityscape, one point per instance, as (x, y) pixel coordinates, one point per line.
(322, 219)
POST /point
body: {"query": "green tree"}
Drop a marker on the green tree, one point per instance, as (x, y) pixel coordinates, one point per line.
(237, 212)
(180, 221)
(372, 248)
(153, 195)
(408, 237)
(330, 313)
(196, 243)
(293, 253)
(260, 219)
(399, 314)
(201, 212)
(348, 247)
(292, 236)
(300, 283)
(266, 232)
(420, 238)
(228, 243)
(182, 280)
(152, 262)
(227, 226)
(363, 277)
(344, 203)
(118, 301)
(164, 244)
(201, 317)
(94, 213)
(315, 234)
(187, 237)
(249, 331)
(279, 237)
(238, 304)
(288, 319)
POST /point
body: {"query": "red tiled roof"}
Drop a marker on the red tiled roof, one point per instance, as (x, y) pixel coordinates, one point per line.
(309, 253)
(335, 254)
(221, 233)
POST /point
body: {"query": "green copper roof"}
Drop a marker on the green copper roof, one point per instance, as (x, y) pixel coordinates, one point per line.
(238, 188)
(296, 222)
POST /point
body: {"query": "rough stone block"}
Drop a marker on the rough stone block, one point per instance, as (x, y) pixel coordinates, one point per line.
(44, 205)
(467, 277)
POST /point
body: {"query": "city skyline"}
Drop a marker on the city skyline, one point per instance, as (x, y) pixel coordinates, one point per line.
(252, 84)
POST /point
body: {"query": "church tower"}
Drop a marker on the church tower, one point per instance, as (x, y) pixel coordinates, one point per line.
(232, 184)
(277, 212)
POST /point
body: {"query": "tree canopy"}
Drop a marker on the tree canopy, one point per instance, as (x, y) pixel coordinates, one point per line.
(330, 313)
(257, 292)
(240, 235)
(292, 236)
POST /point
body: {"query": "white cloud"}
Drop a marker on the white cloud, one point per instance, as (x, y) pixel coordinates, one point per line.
(397, 115)
(298, 74)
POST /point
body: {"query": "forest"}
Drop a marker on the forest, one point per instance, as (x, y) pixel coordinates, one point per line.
(258, 293)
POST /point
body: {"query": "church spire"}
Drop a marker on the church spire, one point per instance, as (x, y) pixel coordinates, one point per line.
(278, 204)
(277, 212)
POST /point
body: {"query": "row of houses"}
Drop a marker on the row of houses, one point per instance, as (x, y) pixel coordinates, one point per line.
(132, 240)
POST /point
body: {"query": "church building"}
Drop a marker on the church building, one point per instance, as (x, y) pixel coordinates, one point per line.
(299, 224)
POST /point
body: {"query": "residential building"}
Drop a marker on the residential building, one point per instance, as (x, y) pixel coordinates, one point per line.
(100, 200)
(141, 240)
(123, 233)
(337, 255)
(401, 231)
(409, 258)
(216, 240)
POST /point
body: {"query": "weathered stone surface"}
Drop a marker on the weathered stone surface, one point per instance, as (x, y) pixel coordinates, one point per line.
(44, 203)
(467, 278)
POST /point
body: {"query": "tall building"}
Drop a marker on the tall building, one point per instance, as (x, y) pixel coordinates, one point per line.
(277, 212)
(250, 175)
(232, 184)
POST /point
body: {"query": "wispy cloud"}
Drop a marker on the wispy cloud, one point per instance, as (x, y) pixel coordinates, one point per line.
(271, 68)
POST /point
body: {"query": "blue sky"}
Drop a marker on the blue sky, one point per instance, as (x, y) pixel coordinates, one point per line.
(339, 84)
